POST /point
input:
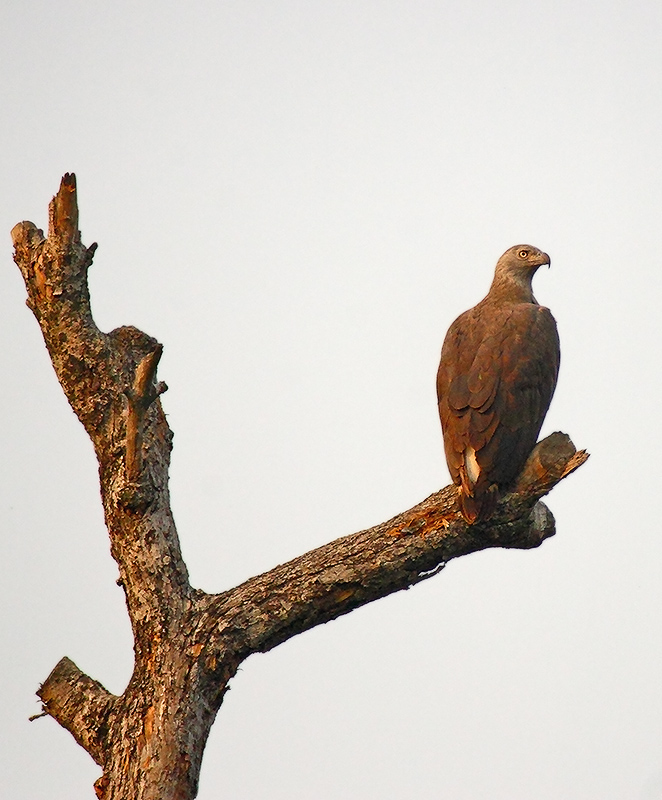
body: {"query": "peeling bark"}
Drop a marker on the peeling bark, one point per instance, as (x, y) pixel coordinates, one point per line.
(188, 644)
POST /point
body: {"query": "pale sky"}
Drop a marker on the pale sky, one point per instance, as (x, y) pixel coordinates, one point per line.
(297, 198)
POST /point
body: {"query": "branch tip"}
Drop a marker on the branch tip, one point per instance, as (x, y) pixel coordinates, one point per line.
(63, 211)
(89, 254)
(579, 458)
(139, 398)
(144, 389)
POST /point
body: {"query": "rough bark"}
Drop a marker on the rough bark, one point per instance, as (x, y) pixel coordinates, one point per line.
(188, 644)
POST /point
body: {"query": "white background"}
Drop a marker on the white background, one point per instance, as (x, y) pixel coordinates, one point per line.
(297, 197)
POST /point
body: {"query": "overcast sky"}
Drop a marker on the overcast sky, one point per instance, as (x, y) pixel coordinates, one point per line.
(297, 198)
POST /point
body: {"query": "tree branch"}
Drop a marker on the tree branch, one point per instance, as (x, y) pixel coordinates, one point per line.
(337, 578)
(109, 380)
(139, 398)
(80, 704)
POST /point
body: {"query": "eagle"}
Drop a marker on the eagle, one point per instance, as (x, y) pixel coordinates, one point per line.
(497, 374)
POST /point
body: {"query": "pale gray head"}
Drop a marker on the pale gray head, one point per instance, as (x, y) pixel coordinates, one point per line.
(524, 258)
(516, 268)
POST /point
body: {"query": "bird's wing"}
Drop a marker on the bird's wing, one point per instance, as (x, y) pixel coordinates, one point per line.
(496, 378)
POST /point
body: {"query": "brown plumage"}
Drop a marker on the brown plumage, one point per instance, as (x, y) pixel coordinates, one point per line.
(496, 378)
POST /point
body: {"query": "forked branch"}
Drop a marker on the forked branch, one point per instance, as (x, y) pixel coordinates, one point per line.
(188, 644)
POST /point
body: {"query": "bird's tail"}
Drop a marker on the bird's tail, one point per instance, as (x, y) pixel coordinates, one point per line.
(479, 503)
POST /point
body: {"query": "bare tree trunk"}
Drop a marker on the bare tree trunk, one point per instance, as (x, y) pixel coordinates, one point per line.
(188, 644)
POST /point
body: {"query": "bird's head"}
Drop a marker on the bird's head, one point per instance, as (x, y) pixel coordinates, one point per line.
(514, 272)
(522, 258)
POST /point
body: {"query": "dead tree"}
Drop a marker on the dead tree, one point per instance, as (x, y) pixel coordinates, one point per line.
(188, 644)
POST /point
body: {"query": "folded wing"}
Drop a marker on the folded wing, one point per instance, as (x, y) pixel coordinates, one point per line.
(497, 375)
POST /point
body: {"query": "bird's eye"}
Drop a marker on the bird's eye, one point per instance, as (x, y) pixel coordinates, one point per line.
(523, 253)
